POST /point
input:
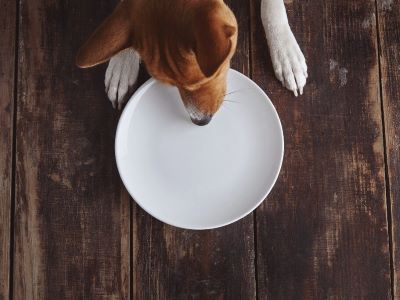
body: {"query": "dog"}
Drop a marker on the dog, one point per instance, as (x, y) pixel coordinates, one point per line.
(188, 44)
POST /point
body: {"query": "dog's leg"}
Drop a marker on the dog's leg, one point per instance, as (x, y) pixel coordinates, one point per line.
(287, 59)
(121, 76)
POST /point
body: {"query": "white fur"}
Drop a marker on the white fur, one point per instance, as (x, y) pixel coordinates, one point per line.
(121, 75)
(287, 59)
(194, 113)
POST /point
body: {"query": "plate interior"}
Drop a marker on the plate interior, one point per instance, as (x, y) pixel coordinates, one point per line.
(199, 177)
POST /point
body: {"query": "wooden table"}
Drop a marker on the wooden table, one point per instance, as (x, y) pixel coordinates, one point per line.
(329, 229)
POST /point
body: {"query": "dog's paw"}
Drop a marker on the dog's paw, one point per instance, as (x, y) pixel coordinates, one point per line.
(121, 75)
(287, 59)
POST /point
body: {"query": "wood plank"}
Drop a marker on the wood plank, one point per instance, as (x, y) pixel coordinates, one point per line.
(7, 65)
(322, 233)
(170, 263)
(72, 214)
(389, 33)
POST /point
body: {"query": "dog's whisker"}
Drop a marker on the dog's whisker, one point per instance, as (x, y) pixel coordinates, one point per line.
(226, 106)
(233, 101)
(230, 93)
(236, 91)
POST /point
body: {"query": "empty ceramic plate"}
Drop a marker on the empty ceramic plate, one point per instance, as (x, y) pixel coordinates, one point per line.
(199, 177)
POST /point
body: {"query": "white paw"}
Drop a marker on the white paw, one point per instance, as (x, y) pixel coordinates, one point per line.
(121, 75)
(287, 59)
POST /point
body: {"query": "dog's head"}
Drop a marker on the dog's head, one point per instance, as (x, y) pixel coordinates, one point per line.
(185, 43)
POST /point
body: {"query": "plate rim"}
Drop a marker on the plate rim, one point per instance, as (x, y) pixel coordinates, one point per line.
(141, 90)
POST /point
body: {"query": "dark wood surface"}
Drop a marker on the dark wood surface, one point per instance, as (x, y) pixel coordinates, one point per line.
(328, 230)
(389, 38)
(322, 233)
(72, 214)
(7, 66)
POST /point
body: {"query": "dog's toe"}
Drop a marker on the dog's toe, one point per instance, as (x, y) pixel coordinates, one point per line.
(300, 78)
(113, 83)
(289, 80)
(121, 76)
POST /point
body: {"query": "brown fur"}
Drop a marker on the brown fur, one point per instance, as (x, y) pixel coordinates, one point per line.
(186, 43)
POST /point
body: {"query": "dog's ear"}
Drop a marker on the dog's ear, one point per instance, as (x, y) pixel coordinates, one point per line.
(112, 36)
(214, 27)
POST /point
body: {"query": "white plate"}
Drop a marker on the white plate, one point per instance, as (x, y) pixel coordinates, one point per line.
(199, 177)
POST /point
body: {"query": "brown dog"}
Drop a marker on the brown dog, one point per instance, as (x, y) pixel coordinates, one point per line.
(185, 43)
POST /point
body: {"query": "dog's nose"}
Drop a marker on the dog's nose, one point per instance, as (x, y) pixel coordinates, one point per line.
(203, 121)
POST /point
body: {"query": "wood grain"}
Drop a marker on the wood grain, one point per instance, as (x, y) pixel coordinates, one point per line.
(7, 66)
(389, 33)
(170, 263)
(72, 215)
(323, 233)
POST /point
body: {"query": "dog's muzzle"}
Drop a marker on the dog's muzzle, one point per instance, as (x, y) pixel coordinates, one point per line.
(201, 122)
(197, 117)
